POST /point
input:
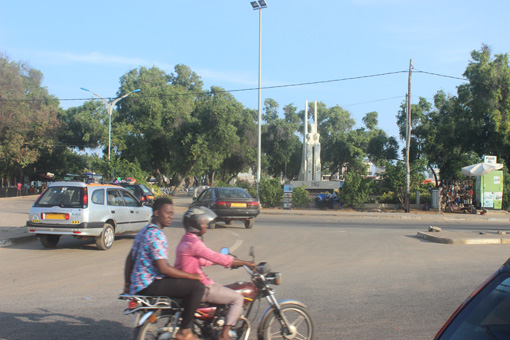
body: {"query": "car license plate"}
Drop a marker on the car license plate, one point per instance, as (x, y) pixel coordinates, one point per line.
(55, 216)
(238, 205)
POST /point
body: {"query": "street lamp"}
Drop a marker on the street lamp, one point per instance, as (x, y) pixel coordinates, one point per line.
(258, 6)
(109, 107)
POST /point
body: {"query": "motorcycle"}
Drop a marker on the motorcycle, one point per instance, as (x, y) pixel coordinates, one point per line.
(158, 317)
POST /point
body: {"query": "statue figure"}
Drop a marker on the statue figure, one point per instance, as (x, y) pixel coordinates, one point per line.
(311, 162)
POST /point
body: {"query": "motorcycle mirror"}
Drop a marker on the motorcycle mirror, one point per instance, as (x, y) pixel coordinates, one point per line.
(224, 251)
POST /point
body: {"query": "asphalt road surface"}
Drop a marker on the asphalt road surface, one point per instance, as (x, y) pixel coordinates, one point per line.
(360, 279)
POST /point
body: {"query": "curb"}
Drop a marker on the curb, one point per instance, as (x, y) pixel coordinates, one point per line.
(384, 216)
(466, 241)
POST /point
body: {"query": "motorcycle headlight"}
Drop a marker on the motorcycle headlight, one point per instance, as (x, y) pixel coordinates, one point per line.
(274, 278)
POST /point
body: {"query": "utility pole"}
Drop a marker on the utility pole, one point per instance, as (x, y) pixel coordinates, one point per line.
(408, 139)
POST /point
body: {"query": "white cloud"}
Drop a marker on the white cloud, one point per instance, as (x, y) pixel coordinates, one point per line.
(245, 78)
(98, 58)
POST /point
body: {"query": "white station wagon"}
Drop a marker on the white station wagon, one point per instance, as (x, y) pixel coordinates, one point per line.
(82, 210)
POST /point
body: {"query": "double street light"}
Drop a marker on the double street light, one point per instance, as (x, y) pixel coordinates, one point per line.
(109, 107)
(259, 6)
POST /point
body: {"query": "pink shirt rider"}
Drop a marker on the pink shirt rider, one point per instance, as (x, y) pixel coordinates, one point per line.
(192, 254)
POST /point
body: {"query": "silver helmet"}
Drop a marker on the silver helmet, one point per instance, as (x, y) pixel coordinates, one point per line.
(195, 217)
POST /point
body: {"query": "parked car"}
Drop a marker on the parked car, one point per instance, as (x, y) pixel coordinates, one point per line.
(85, 211)
(229, 204)
(140, 191)
(486, 312)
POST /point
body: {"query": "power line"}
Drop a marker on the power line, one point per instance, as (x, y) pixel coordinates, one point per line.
(374, 101)
(440, 75)
(264, 88)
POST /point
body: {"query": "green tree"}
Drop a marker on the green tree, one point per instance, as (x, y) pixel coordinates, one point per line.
(379, 147)
(59, 161)
(85, 126)
(356, 190)
(394, 178)
(485, 103)
(214, 131)
(344, 148)
(280, 144)
(28, 117)
(119, 168)
(243, 155)
(459, 130)
(271, 191)
(148, 127)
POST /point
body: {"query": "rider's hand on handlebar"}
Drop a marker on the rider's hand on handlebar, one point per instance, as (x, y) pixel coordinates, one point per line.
(238, 263)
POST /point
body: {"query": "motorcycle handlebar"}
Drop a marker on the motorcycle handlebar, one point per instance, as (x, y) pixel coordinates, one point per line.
(248, 270)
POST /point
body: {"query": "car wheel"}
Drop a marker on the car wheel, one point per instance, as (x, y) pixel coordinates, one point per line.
(248, 224)
(49, 241)
(105, 240)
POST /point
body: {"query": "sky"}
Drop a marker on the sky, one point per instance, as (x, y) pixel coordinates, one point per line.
(91, 44)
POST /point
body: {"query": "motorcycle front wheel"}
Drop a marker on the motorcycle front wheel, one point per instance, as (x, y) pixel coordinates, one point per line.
(300, 324)
(161, 329)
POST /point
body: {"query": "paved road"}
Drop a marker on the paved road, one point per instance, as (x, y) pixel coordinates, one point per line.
(14, 212)
(361, 280)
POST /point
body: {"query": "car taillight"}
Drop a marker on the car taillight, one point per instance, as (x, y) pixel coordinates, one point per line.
(223, 204)
(85, 198)
(142, 198)
(253, 204)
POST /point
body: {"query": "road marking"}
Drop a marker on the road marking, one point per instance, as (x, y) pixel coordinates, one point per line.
(237, 243)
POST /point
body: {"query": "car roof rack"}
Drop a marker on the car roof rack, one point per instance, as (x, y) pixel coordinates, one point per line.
(86, 178)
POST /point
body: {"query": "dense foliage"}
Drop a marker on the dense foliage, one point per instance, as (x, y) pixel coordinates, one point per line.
(28, 117)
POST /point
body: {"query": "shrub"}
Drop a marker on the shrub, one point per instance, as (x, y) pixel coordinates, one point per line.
(251, 188)
(220, 183)
(123, 168)
(300, 196)
(388, 197)
(271, 191)
(355, 191)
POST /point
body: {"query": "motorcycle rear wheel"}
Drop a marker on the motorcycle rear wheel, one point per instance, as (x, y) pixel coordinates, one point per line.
(158, 330)
(301, 324)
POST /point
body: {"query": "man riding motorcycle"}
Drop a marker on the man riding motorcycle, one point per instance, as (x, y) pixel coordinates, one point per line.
(147, 271)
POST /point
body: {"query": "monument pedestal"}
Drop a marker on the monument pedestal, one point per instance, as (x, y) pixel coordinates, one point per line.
(315, 187)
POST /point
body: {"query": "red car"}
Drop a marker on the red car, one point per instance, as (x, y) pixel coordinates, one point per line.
(486, 312)
(139, 190)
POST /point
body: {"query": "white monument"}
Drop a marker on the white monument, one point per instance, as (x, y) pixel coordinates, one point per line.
(310, 173)
(311, 162)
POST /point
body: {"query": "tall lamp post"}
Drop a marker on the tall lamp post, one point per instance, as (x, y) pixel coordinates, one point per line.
(109, 107)
(258, 6)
